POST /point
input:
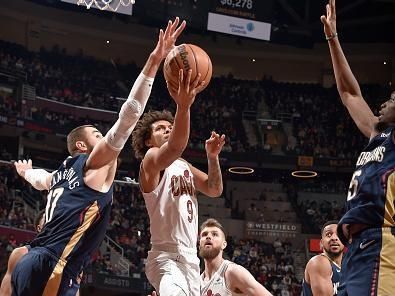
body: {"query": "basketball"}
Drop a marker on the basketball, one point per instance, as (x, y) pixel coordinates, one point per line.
(187, 56)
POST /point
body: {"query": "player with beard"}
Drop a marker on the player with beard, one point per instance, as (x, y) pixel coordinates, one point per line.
(81, 191)
(322, 273)
(220, 276)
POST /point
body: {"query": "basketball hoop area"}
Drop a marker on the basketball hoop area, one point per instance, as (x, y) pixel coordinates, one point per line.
(110, 5)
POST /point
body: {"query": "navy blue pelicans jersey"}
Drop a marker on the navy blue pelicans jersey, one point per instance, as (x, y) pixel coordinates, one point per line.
(336, 274)
(371, 194)
(76, 216)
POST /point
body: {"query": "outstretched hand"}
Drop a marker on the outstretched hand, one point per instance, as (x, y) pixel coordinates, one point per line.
(214, 144)
(185, 94)
(22, 166)
(329, 20)
(167, 39)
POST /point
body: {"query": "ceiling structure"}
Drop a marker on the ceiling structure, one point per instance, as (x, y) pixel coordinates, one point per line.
(357, 20)
(294, 22)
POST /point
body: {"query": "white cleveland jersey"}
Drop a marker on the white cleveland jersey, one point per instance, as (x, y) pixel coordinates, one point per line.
(172, 208)
(216, 286)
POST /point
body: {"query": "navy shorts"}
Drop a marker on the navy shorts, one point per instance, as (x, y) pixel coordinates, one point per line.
(39, 272)
(368, 267)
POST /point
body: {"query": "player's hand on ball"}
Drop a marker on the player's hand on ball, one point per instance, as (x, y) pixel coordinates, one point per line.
(167, 39)
(214, 144)
(22, 166)
(184, 95)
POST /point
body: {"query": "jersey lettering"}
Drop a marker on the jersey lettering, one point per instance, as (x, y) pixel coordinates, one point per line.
(376, 155)
(67, 174)
(181, 185)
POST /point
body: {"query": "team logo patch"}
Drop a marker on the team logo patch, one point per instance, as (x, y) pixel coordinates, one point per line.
(186, 174)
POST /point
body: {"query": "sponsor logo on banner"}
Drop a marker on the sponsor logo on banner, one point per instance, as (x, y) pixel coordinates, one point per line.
(120, 283)
(238, 26)
(256, 229)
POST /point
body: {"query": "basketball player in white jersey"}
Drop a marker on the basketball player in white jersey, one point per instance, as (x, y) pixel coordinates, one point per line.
(222, 277)
(169, 186)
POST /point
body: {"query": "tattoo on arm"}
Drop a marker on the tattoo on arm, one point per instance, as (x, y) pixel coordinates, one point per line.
(214, 174)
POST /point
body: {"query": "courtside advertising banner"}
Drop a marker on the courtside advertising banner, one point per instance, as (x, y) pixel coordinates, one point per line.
(238, 26)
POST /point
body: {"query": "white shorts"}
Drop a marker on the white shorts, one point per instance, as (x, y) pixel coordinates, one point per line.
(173, 274)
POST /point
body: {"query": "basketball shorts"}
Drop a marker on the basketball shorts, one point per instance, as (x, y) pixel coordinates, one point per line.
(174, 274)
(368, 267)
(38, 273)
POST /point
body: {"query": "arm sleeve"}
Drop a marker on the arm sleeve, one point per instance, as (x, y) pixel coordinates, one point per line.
(130, 112)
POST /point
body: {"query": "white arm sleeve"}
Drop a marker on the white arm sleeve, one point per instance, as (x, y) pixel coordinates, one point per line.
(37, 178)
(130, 112)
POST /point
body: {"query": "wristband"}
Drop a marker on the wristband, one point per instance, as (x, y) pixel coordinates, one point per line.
(333, 36)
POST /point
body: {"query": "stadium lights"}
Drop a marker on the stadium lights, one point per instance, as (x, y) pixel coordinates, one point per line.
(241, 170)
(304, 174)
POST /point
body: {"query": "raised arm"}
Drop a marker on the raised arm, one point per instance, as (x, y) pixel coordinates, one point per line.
(319, 274)
(211, 184)
(40, 179)
(157, 159)
(108, 149)
(240, 280)
(347, 85)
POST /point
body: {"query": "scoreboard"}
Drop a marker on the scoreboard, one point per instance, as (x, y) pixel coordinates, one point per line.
(249, 9)
(241, 17)
(246, 18)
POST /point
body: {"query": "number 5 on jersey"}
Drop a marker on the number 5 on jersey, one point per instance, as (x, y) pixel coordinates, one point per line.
(352, 190)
